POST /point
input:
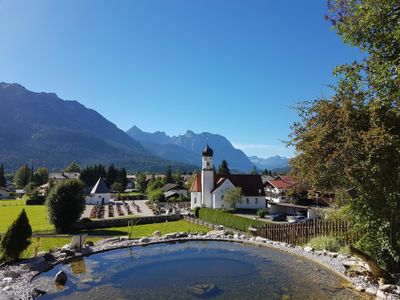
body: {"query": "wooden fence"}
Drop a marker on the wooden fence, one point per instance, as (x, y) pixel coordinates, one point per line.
(301, 233)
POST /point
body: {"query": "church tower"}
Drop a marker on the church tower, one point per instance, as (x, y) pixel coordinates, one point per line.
(207, 177)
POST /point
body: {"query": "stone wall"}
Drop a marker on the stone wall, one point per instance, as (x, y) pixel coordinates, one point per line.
(124, 222)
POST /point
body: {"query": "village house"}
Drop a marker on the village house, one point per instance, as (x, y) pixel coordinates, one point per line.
(174, 190)
(276, 189)
(99, 194)
(208, 189)
(4, 193)
(61, 176)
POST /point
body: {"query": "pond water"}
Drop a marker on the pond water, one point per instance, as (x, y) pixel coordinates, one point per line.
(195, 270)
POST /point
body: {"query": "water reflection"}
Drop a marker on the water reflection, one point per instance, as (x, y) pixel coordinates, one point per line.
(192, 270)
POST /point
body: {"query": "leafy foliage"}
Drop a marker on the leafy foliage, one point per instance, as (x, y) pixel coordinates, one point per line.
(73, 167)
(233, 196)
(227, 219)
(117, 187)
(156, 195)
(22, 177)
(16, 239)
(65, 203)
(328, 243)
(353, 138)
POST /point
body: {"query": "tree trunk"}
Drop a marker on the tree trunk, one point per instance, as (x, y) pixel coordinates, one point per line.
(376, 270)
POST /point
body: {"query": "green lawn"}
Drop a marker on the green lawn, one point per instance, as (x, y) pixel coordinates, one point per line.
(46, 244)
(37, 215)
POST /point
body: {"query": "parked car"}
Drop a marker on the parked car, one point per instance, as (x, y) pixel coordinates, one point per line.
(278, 217)
(296, 219)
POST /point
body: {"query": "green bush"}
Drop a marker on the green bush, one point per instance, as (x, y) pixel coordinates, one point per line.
(156, 196)
(228, 220)
(329, 243)
(196, 211)
(261, 213)
(16, 239)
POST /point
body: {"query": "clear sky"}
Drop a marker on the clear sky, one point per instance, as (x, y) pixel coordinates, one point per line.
(224, 66)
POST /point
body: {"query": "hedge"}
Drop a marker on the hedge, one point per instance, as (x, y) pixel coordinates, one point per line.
(231, 221)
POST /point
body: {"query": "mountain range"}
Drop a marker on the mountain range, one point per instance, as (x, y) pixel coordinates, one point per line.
(188, 147)
(44, 130)
(40, 129)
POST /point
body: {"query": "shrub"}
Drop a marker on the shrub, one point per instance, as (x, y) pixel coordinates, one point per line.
(261, 213)
(16, 239)
(329, 243)
(229, 210)
(38, 201)
(228, 220)
(196, 211)
(156, 195)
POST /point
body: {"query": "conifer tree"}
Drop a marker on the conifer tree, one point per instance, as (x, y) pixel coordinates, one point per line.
(16, 239)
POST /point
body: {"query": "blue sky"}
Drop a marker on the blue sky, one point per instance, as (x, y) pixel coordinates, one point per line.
(229, 67)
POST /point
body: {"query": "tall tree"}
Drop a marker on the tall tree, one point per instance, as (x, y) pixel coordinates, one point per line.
(223, 169)
(3, 180)
(168, 176)
(353, 138)
(65, 204)
(22, 177)
(41, 176)
(73, 167)
(141, 182)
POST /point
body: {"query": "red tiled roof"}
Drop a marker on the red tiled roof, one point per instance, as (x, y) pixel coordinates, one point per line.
(196, 185)
(280, 184)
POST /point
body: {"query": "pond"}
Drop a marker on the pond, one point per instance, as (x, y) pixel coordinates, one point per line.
(195, 270)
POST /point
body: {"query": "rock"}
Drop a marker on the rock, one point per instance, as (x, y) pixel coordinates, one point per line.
(332, 254)
(156, 233)
(11, 274)
(360, 288)
(7, 288)
(144, 240)
(371, 290)
(60, 278)
(172, 235)
(243, 237)
(236, 236)
(308, 249)
(260, 239)
(201, 289)
(381, 294)
(67, 252)
(7, 279)
(182, 234)
(388, 288)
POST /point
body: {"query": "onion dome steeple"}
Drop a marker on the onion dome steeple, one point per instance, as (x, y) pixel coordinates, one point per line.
(208, 151)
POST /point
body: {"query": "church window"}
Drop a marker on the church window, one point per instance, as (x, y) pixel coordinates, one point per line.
(256, 200)
(195, 200)
(208, 164)
(222, 197)
(247, 200)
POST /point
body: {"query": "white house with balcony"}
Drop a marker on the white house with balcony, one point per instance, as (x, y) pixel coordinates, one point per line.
(276, 190)
(208, 188)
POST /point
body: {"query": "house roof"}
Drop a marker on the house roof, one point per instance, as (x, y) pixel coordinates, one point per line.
(100, 187)
(64, 175)
(172, 186)
(4, 189)
(170, 194)
(251, 184)
(281, 182)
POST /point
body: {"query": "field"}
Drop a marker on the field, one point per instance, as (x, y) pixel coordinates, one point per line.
(37, 215)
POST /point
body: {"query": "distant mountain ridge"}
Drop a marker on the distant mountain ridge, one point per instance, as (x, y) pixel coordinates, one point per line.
(270, 163)
(44, 130)
(188, 147)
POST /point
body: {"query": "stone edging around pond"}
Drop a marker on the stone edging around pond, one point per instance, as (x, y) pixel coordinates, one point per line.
(15, 282)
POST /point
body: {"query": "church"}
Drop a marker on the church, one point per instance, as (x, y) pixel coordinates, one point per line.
(208, 188)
